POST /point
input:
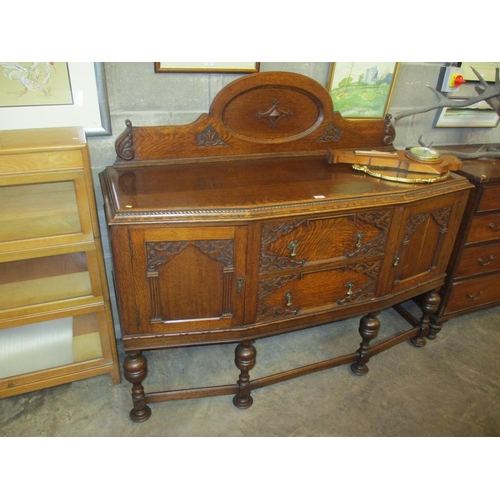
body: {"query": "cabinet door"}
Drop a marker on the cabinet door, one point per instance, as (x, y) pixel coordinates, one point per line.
(425, 240)
(188, 279)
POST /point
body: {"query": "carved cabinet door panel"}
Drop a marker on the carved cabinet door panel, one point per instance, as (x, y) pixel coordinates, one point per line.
(188, 279)
(425, 240)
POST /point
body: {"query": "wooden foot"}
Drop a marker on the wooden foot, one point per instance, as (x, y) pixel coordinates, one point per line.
(245, 356)
(135, 368)
(369, 327)
(429, 305)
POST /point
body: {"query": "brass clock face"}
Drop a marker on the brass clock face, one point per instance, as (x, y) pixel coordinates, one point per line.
(424, 154)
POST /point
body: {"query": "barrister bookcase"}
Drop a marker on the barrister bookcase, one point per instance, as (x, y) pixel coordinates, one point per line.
(55, 318)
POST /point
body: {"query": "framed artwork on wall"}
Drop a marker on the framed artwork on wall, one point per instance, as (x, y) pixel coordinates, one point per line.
(476, 115)
(485, 69)
(206, 67)
(46, 94)
(362, 89)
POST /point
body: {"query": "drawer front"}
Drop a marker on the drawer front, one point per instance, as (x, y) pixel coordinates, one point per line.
(484, 228)
(490, 199)
(477, 260)
(474, 293)
(37, 162)
(293, 244)
(316, 290)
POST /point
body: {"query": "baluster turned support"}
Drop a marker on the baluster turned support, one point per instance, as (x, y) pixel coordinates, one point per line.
(429, 305)
(135, 368)
(245, 356)
(369, 327)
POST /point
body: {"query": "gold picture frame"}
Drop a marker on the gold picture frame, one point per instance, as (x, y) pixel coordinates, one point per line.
(362, 89)
(207, 67)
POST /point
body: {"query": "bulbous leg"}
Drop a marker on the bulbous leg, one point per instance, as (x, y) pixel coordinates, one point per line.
(245, 356)
(135, 367)
(434, 328)
(369, 327)
(429, 305)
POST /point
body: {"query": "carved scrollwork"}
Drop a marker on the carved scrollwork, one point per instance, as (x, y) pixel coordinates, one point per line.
(390, 131)
(332, 133)
(267, 287)
(274, 114)
(124, 144)
(442, 217)
(159, 253)
(367, 290)
(269, 261)
(380, 220)
(210, 138)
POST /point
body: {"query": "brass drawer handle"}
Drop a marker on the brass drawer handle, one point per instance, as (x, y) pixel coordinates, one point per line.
(288, 298)
(359, 236)
(349, 285)
(293, 247)
(492, 226)
(395, 262)
(482, 263)
(474, 297)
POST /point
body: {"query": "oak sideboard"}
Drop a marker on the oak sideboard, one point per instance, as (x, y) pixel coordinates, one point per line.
(236, 227)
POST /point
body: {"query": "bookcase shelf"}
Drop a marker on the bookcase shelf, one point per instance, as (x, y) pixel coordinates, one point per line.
(55, 317)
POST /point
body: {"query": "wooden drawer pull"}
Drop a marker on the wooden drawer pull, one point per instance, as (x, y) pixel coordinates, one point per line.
(474, 297)
(293, 247)
(492, 226)
(482, 263)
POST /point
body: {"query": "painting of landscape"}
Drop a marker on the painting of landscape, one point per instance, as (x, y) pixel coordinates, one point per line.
(362, 89)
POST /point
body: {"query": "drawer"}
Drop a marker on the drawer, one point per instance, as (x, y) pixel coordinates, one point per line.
(295, 243)
(36, 162)
(490, 199)
(484, 228)
(474, 293)
(477, 260)
(316, 290)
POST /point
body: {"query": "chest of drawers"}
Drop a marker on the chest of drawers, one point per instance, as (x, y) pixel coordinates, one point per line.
(236, 227)
(474, 268)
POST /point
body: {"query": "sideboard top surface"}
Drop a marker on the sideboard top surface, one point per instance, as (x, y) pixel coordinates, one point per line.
(248, 188)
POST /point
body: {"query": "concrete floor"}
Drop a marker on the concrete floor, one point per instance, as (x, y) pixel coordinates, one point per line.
(448, 388)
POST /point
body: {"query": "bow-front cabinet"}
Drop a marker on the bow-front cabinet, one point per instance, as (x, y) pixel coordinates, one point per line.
(235, 246)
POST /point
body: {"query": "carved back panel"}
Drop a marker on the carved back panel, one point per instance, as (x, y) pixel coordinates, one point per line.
(262, 113)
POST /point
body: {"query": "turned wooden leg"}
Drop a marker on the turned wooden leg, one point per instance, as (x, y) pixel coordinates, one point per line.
(429, 304)
(135, 367)
(434, 328)
(369, 327)
(245, 355)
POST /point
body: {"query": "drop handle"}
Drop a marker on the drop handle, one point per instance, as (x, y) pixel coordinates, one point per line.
(395, 262)
(288, 298)
(293, 247)
(482, 263)
(492, 226)
(474, 297)
(359, 237)
(349, 285)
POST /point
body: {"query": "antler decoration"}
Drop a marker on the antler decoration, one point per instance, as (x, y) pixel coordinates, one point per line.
(487, 92)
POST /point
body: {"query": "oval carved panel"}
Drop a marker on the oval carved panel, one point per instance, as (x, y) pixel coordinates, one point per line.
(272, 114)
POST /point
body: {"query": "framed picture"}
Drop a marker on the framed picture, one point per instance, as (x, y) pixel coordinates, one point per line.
(477, 115)
(203, 67)
(485, 69)
(362, 89)
(43, 95)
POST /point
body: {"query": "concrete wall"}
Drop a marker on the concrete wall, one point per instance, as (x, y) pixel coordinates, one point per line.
(137, 93)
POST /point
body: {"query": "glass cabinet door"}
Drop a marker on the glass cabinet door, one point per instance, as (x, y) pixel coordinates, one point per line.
(50, 210)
